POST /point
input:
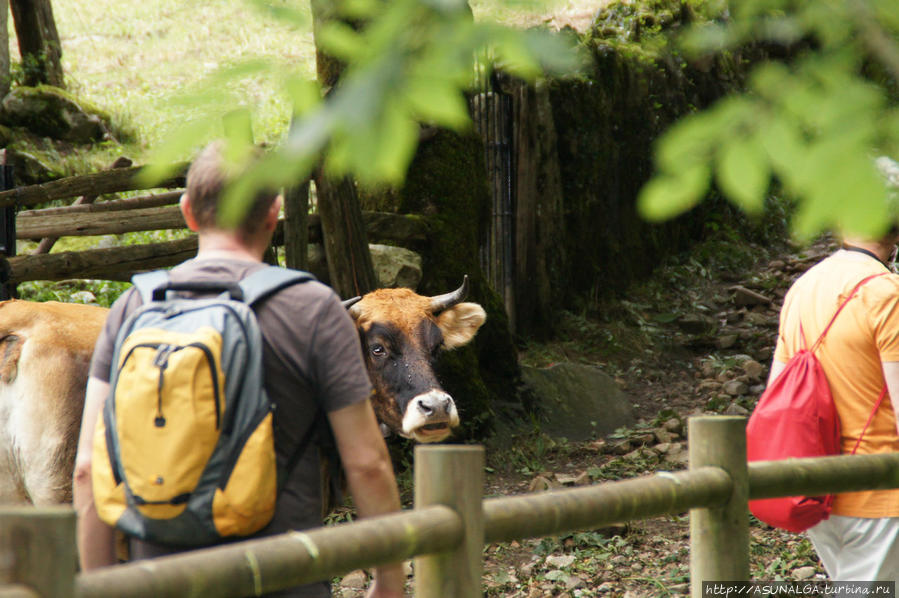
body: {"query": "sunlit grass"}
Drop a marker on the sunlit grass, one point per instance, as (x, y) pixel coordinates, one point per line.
(131, 57)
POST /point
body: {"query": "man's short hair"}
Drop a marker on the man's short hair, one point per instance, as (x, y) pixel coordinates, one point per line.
(208, 178)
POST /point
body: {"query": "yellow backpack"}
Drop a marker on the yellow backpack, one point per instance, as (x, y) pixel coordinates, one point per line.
(184, 452)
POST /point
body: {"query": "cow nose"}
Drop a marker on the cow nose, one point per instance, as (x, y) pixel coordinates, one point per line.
(434, 404)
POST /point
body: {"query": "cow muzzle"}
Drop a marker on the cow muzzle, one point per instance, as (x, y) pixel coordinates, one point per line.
(430, 417)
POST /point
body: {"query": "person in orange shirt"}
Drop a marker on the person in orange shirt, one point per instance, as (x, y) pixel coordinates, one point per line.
(859, 355)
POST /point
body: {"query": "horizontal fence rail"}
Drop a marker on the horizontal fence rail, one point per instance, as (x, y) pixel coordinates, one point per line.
(150, 213)
(255, 566)
(823, 475)
(37, 225)
(18, 591)
(537, 515)
(447, 535)
(97, 183)
(119, 263)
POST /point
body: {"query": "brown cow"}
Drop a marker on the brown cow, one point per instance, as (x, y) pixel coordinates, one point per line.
(45, 351)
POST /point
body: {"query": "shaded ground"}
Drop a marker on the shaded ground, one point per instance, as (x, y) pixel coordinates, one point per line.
(697, 338)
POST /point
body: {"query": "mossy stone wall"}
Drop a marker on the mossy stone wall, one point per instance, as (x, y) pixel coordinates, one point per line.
(606, 125)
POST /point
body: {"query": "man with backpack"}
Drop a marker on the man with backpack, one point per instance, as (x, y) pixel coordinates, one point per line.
(311, 363)
(850, 301)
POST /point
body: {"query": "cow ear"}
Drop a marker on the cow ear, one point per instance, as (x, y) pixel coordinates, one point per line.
(460, 323)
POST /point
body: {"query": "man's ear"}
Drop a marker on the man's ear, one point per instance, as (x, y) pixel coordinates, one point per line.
(274, 211)
(187, 212)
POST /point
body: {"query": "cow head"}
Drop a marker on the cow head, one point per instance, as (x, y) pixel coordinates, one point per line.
(402, 333)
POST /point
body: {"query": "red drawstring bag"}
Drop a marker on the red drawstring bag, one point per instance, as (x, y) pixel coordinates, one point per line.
(795, 418)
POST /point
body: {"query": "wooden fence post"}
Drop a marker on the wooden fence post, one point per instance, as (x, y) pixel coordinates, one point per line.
(719, 537)
(37, 549)
(452, 475)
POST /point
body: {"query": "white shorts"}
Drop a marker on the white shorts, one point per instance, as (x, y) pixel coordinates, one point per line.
(858, 549)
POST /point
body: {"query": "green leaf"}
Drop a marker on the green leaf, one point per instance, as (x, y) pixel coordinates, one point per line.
(437, 100)
(688, 142)
(516, 57)
(556, 53)
(192, 136)
(238, 129)
(282, 12)
(359, 9)
(887, 15)
(341, 41)
(668, 196)
(304, 93)
(743, 173)
(707, 37)
(783, 142)
(770, 79)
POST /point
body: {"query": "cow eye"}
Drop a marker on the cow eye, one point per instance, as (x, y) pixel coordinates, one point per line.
(378, 350)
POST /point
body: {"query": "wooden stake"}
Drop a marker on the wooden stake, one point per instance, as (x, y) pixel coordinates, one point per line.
(37, 550)
(719, 537)
(452, 475)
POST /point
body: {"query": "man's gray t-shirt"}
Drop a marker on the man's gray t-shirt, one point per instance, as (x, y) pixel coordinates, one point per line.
(311, 359)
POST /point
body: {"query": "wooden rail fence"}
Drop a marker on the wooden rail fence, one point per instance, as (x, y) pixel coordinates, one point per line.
(150, 212)
(450, 524)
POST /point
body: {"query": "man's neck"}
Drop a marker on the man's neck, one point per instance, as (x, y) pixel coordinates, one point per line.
(882, 251)
(224, 245)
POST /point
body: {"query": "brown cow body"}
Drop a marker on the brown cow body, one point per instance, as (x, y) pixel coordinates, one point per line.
(45, 352)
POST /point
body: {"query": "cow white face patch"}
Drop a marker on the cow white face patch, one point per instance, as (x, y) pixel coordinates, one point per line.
(430, 417)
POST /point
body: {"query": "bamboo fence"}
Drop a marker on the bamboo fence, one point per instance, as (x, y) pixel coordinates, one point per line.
(450, 524)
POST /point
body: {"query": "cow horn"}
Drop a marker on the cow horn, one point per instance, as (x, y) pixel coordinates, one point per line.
(446, 301)
(350, 302)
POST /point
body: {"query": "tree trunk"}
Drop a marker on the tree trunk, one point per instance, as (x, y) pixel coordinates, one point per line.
(346, 244)
(539, 225)
(4, 48)
(38, 42)
(296, 227)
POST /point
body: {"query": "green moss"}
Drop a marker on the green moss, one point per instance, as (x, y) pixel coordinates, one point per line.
(639, 29)
(53, 112)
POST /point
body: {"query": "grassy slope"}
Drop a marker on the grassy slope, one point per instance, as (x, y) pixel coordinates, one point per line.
(132, 56)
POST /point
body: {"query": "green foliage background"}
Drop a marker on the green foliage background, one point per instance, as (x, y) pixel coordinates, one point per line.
(812, 124)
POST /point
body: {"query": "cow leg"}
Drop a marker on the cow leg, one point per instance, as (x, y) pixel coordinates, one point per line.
(40, 435)
(12, 485)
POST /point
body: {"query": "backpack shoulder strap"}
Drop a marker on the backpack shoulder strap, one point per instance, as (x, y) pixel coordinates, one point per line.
(268, 280)
(147, 282)
(858, 441)
(842, 305)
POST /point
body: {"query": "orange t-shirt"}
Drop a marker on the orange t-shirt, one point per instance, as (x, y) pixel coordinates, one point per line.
(865, 334)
